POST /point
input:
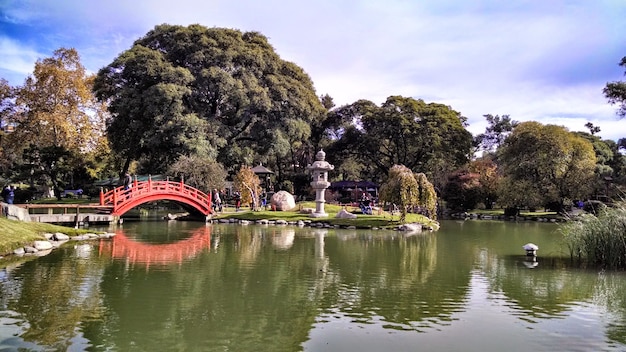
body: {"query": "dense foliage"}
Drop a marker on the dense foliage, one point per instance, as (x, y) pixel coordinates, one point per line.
(425, 137)
(57, 135)
(217, 93)
(545, 164)
(201, 103)
(201, 173)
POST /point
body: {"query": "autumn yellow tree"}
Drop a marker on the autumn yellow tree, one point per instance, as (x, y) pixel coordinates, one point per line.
(57, 120)
(249, 184)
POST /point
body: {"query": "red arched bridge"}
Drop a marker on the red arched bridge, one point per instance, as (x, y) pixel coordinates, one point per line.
(122, 200)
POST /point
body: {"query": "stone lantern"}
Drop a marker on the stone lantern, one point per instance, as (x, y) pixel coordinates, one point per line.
(319, 182)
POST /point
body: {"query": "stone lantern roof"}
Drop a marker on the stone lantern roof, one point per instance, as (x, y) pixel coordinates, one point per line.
(320, 163)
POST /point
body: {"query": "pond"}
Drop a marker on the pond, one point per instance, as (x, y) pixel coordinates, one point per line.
(184, 286)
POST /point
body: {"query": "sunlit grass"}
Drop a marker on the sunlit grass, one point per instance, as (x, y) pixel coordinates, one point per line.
(380, 219)
(527, 213)
(15, 234)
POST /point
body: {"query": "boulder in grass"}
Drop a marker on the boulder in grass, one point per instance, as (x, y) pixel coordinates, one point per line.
(282, 201)
(344, 214)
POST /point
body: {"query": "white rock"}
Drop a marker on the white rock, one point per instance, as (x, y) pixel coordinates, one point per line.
(344, 214)
(42, 245)
(283, 200)
(60, 237)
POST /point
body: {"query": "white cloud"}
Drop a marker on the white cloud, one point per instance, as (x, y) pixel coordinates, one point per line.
(16, 60)
(544, 61)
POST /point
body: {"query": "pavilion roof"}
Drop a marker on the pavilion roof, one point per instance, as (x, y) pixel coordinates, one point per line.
(261, 170)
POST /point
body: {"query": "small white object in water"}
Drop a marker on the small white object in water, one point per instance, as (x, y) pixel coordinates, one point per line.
(531, 249)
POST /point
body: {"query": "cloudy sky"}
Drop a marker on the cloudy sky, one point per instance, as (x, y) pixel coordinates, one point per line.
(541, 60)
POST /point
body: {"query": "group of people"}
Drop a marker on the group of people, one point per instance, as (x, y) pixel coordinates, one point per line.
(217, 201)
(8, 194)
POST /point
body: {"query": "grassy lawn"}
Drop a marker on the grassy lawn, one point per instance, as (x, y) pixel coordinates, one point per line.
(15, 234)
(382, 220)
(497, 212)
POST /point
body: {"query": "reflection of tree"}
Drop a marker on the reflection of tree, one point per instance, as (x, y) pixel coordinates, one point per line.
(247, 294)
(54, 296)
(397, 279)
(609, 292)
(244, 295)
(548, 294)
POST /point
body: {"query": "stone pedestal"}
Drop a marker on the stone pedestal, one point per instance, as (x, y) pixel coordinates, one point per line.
(319, 182)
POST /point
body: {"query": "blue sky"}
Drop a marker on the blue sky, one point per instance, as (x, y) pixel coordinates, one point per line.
(541, 60)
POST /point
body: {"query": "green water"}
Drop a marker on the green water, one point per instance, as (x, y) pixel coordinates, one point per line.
(174, 286)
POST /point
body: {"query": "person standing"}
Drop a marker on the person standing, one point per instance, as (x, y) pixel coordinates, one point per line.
(11, 195)
(127, 181)
(217, 201)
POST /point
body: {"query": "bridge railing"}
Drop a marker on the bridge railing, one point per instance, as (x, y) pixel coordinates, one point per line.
(139, 189)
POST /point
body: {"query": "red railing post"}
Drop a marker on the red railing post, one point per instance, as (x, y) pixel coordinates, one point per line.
(101, 196)
(149, 183)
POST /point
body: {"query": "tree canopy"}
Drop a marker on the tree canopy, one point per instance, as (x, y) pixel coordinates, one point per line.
(218, 93)
(615, 92)
(545, 164)
(57, 126)
(426, 137)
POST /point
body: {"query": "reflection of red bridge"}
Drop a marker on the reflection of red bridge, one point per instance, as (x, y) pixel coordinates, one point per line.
(149, 191)
(145, 253)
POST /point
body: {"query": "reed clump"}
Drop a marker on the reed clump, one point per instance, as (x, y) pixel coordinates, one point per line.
(600, 240)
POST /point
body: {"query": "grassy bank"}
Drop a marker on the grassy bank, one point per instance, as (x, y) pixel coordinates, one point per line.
(599, 241)
(380, 220)
(15, 234)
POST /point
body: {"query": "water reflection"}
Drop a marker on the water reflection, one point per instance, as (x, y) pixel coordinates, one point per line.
(230, 287)
(135, 252)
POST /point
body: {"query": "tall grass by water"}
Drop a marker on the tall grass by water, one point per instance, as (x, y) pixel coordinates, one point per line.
(599, 241)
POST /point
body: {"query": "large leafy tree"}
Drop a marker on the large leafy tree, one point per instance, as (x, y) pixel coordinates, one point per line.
(544, 165)
(214, 92)
(615, 92)
(610, 162)
(56, 121)
(428, 137)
